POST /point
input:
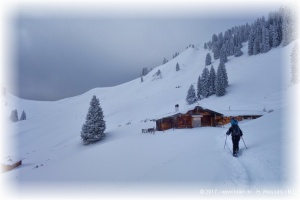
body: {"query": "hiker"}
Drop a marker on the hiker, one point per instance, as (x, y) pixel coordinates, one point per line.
(236, 134)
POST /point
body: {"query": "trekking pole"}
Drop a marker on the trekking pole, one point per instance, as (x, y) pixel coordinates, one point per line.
(244, 143)
(225, 141)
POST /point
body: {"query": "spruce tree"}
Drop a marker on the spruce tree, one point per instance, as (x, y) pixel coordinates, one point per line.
(224, 72)
(177, 67)
(94, 126)
(205, 83)
(199, 88)
(207, 59)
(265, 39)
(223, 55)
(14, 116)
(212, 79)
(191, 95)
(220, 86)
(165, 61)
(251, 43)
(274, 35)
(23, 116)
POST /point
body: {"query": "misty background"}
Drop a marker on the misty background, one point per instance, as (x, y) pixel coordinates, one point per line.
(59, 56)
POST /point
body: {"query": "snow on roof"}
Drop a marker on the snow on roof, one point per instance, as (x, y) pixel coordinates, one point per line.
(228, 113)
(183, 111)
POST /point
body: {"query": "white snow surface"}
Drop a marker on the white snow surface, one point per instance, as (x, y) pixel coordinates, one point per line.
(190, 159)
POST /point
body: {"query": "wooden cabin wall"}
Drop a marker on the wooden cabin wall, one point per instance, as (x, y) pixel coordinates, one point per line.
(164, 124)
(184, 121)
(206, 120)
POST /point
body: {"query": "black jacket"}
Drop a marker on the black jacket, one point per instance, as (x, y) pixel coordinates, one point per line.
(230, 131)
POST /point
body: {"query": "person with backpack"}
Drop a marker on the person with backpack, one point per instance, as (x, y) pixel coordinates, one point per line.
(236, 134)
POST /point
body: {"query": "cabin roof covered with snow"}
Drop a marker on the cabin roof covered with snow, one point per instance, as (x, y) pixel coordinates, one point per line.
(186, 110)
(235, 113)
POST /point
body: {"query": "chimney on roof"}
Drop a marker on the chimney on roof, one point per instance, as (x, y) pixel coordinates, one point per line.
(176, 108)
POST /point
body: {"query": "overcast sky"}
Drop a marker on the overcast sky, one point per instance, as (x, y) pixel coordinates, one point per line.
(66, 54)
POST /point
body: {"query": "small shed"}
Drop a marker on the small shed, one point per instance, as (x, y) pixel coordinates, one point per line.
(196, 117)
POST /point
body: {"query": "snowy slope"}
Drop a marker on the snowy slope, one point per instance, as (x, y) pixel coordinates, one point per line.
(49, 140)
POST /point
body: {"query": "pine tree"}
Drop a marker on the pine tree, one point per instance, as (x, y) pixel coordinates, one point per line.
(212, 79)
(223, 56)
(251, 43)
(205, 83)
(256, 48)
(93, 129)
(220, 86)
(165, 61)
(265, 39)
(294, 65)
(158, 74)
(224, 71)
(207, 59)
(14, 116)
(23, 116)
(275, 35)
(199, 88)
(191, 95)
(177, 67)
(215, 47)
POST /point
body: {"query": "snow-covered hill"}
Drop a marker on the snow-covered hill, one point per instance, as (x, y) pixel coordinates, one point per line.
(192, 159)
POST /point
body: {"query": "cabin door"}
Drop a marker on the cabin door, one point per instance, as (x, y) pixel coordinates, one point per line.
(196, 121)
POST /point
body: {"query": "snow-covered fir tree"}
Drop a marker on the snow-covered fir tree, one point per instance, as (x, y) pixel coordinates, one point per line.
(220, 82)
(224, 71)
(191, 95)
(256, 47)
(265, 39)
(294, 64)
(251, 43)
(205, 83)
(223, 55)
(145, 71)
(175, 55)
(207, 59)
(199, 88)
(158, 74)
(215, 47)
(94, 126)
(274, 35)
(212, 79)
(23, 116)
(165, 61)
(14, 116)
(177, 67)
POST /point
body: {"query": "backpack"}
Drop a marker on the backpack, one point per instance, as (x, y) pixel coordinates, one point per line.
(235, 130)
